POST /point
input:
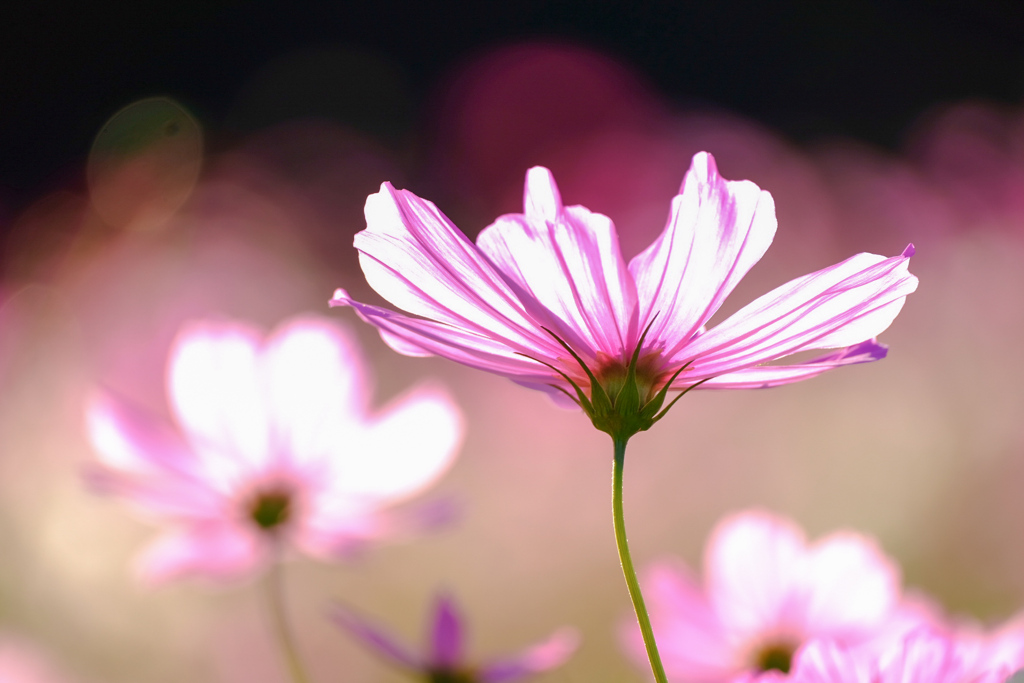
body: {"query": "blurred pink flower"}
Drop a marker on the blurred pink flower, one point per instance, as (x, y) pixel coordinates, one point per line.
(546, 299)
(22, 663)
(276, 445)
(922, 656)
(444, 660)
(766, 591)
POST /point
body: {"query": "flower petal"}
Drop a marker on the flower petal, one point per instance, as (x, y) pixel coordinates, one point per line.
(375, 637)
(543, 656)
(315, 388)
(717, 230)
(925, 657)
(216, 550)
(850, 587)
(823, 661)
(752, 560)
(341, 530)
(446, 637)
(402, 451)
(127, 439)
(414, 257)
(566, 267)
(763, 376)
(842, 305)
(216, 392)
(417, 337)
(145, 462)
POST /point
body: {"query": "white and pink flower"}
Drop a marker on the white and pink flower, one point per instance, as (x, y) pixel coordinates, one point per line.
(546, 298)
(766, 591)
(274, 446)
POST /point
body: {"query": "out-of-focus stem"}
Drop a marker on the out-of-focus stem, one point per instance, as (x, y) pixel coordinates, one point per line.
(627, 565)
(279, 620)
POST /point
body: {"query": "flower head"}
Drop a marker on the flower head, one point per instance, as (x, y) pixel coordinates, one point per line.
(766, 592)
(275, 445)
(546, 298)
(443, 661)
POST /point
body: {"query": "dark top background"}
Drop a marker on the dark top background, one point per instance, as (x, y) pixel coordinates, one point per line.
(854, 68)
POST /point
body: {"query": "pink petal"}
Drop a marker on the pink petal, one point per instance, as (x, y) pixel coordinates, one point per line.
(416, 337)
(543, 656)
(717, 230)
(823, 661)
(343, 529)
(850, 587)
(216, 392)
(217, 551)
(158, 494)
(924, 657)
(446, 637)
(126, 438)
(401, 452)
(690, 637)
(752, 561)
(376, 638)
(315, 389)
(842, 305)
(763, 376)
(415, 258)
(145, 462)
(566, 267)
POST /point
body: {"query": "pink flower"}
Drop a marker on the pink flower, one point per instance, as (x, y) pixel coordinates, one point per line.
(23, 663)
(275, 445)
(443, 661)
(766, 592)
(546, 298)
(922, 656)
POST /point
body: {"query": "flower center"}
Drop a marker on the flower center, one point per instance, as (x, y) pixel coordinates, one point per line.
(777, 656)
(613, 373)
(271, 508)
(449, 676)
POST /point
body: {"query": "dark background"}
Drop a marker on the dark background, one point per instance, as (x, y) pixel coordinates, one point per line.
(854, 68)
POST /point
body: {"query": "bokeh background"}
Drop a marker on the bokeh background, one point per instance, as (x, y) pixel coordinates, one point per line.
(230, 185)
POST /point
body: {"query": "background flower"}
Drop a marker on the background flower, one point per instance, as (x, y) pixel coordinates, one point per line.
(766, 591)
(276, 444)
(444, 660)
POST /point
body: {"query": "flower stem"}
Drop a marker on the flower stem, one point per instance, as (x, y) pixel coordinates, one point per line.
(279, 620)
(627, 565)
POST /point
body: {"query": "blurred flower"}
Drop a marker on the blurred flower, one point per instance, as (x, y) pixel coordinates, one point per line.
(546, 299)
(275, 447)
(21, 663)
(444, 660)
(922, 656)
(766, 591)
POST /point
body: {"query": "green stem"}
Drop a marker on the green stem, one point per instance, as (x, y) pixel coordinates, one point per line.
(279, 620)
(627, 565)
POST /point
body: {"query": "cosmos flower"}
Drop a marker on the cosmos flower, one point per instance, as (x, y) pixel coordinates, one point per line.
(546, 298)
(766, 592)
(275, 446)
(444, 659)
(922, 656)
